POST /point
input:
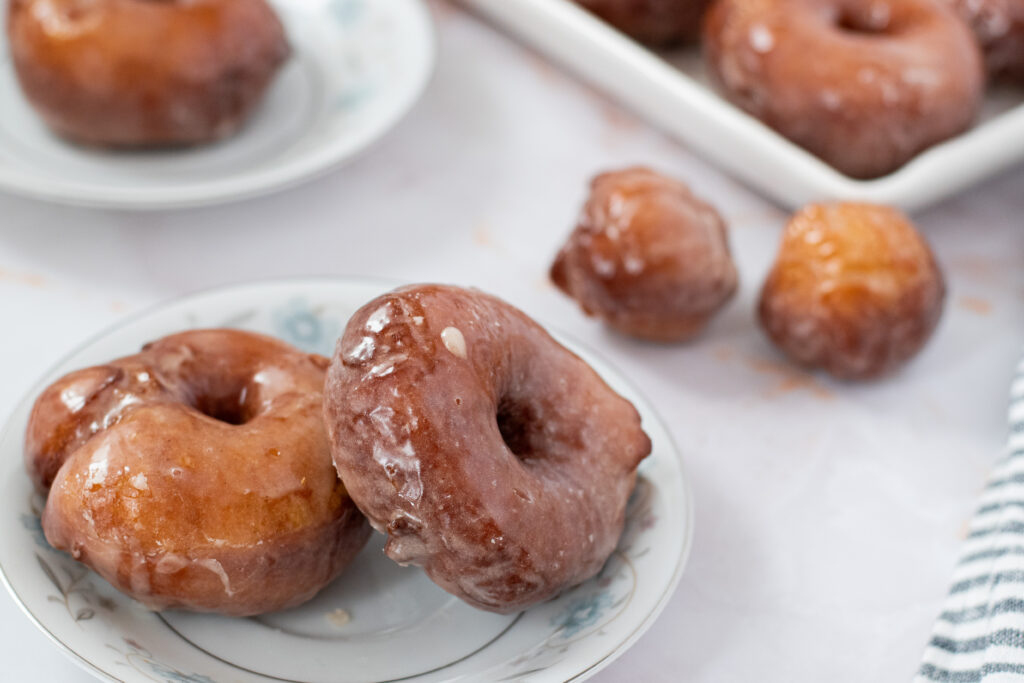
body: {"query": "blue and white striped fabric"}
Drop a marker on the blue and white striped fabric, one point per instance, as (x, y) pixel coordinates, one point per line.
(980, 634)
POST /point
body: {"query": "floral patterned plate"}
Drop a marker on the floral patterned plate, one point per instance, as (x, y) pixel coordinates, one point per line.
(379, 621)
(357, 67)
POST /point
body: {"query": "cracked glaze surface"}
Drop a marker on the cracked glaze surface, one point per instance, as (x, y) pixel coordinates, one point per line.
(196, 474)
(492, 456)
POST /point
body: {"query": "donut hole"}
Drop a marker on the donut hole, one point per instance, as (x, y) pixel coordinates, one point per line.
(519, 428)
(865, 23)
(232, 413)
(231, 407)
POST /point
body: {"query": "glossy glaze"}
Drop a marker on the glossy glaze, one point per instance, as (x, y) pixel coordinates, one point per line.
(654, 22)
(144, 72)
(999, 27)
(492, 456)
(196, 474)
(647, 257)
(855, 290)
(863, 84)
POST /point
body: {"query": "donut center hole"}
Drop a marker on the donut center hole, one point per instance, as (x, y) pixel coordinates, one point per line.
(518, 426)
(227, 410)
(866, 23)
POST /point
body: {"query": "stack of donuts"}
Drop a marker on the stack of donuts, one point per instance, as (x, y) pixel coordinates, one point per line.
(865, 85)
(225, 471)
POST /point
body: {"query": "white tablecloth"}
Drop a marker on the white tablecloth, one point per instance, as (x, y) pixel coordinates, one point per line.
(828, 516)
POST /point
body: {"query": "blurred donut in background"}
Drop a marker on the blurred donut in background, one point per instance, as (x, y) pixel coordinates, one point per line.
(999, 27)
(145, 73)
(653, 22)
(863, 84)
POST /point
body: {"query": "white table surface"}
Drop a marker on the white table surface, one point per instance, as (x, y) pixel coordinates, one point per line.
(828, 515)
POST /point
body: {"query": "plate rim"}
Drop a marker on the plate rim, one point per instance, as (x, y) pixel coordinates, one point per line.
(229, 189)
(687, 508)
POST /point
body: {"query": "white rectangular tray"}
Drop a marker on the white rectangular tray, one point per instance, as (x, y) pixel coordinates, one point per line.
(672, 93)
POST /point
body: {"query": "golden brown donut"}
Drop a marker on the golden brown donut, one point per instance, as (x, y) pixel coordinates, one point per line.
(647, 257)
(855, 290)
(125, 73)
(654, 22)
(863, 84)
(999, 27)
(489, 454)
(196, 474)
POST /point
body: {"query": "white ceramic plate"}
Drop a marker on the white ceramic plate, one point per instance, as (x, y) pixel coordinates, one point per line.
(672, 92)
(399, 626)
(357, 67)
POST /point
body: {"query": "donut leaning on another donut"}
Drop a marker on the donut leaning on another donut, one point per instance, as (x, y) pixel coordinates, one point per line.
(139, 73)
(196, 474)
(489, 454)
(863, 84)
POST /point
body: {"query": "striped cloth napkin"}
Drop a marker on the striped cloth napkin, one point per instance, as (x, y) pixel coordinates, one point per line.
(980, 634)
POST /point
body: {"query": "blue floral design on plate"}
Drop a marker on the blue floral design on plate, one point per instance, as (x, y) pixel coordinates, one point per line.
(348, 12)
(175, 676)
(137, 653)
(300, 324)
(582, 613)
(34, 526)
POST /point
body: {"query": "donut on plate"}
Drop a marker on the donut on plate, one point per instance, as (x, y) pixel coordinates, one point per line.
(140, 73)
(863, 84)
(999, 27)
(196, 474)
(653, 22)
(489, 454)
(647, 257)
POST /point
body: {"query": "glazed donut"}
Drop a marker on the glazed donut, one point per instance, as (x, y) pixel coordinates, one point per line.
(125, 73)
(863, 84)
(653, 22)
(855, 290)
(196, 474)
(999, 27)
(647, 257)
(489, 454)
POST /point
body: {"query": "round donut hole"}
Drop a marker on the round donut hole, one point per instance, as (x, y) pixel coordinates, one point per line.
(863, 22)
(518, 427)
(232, 411)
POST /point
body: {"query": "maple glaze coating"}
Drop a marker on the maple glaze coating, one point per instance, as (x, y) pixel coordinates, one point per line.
(196, 474)
(863, 84)
(647, 257)
(654, 22)
(999, 27)
(489, 454)
(126, 73)
(855, 290)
